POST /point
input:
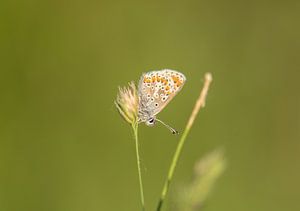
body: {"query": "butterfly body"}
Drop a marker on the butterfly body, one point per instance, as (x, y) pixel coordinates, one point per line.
(156, 89)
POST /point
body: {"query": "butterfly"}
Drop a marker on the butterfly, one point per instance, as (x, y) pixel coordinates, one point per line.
(155, 90)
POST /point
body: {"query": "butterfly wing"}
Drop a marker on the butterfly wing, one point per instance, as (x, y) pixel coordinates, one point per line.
(157, 89)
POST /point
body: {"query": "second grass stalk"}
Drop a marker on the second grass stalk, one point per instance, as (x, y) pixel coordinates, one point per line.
(200, 103)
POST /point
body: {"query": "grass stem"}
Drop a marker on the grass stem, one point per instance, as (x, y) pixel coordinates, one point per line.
(135, 132)
(199, 104)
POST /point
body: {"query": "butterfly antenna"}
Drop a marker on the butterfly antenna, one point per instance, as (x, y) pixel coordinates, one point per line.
(169, 127)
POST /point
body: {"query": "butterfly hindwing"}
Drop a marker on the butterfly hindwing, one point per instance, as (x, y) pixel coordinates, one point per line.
(157, 89)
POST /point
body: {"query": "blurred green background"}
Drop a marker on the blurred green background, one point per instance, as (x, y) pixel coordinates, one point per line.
(64, 147)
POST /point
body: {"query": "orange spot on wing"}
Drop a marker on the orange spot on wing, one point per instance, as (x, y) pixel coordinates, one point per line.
(175, 79)
(153, 79)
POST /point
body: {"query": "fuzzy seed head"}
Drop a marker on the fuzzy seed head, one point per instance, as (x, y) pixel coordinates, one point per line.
(127, 103)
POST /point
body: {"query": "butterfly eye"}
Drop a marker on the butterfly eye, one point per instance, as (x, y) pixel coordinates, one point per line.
(150, 122)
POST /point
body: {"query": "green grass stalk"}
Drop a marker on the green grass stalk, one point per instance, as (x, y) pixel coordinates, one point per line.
(199, 104)
(135, 132)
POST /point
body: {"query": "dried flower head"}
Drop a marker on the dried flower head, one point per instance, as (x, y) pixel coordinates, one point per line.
(127, 103)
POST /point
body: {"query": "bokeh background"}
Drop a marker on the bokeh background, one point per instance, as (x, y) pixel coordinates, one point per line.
(64, 147)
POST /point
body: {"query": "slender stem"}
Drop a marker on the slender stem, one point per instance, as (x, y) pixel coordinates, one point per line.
(135, 131)
(172, 168)
(199, 103)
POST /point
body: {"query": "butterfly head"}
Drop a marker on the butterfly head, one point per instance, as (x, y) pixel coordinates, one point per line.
(151, 121)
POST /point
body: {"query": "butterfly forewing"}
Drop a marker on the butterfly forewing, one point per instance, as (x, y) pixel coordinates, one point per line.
(157, 89)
